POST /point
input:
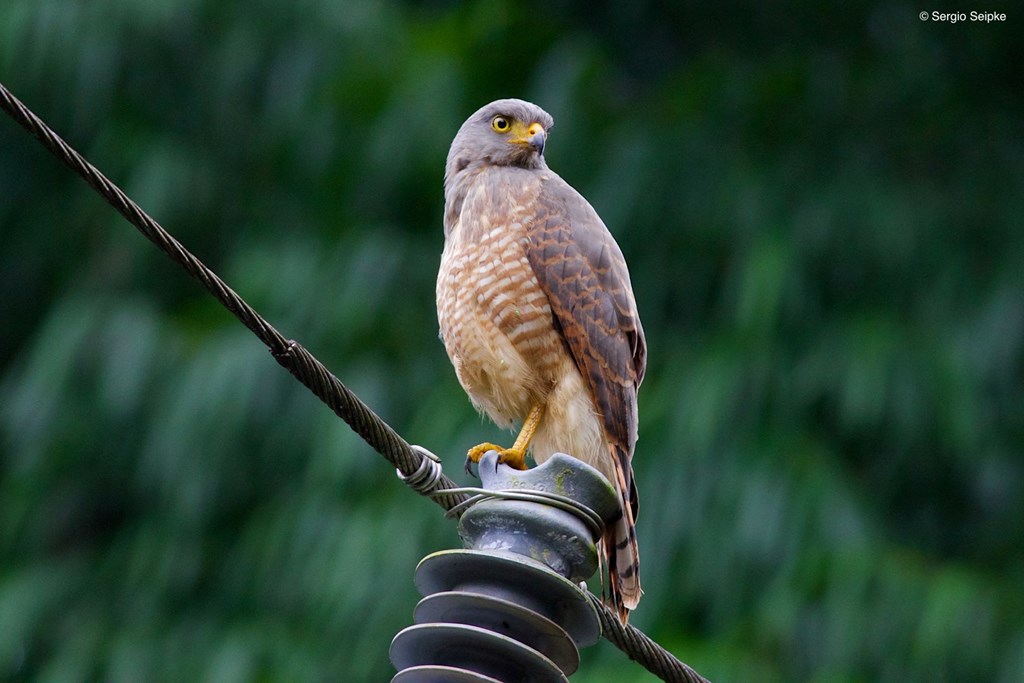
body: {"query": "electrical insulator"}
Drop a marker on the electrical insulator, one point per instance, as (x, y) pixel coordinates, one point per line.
(509, 607)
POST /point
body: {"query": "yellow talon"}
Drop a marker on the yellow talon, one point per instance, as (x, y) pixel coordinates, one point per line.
(515, 456)
(506, 456)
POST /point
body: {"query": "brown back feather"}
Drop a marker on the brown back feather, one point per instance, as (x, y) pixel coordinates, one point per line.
(581, 269)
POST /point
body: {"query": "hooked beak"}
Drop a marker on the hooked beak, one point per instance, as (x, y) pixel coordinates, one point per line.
(534, 136)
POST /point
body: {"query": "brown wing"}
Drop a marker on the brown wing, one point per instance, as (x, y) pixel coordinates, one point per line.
(582, 271)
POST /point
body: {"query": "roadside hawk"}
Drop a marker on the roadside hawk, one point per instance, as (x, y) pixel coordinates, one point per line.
(537, 314)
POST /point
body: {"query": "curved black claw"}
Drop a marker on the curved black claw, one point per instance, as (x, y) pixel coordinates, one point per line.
(469, 468)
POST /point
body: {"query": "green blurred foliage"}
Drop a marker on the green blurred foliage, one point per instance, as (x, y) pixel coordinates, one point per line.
(821, 207)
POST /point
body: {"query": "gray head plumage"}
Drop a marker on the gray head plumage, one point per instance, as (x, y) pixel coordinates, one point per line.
(506, 132)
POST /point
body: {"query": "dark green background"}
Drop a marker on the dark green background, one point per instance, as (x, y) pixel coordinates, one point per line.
(822, 210)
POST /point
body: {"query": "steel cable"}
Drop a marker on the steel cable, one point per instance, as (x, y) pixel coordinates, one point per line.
(408, 460)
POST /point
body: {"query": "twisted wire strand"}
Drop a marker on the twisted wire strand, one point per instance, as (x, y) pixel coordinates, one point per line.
(318, 379)
(639, 647)
(290, 354)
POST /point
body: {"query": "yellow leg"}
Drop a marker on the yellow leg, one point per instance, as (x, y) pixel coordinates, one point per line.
(515, 456)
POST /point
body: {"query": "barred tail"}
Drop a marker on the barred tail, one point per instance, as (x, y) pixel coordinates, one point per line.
(619, 547)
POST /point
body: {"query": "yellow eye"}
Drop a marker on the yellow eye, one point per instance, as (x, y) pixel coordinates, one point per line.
(500, 124)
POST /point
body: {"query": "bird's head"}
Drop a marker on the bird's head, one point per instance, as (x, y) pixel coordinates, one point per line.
(503, 133)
